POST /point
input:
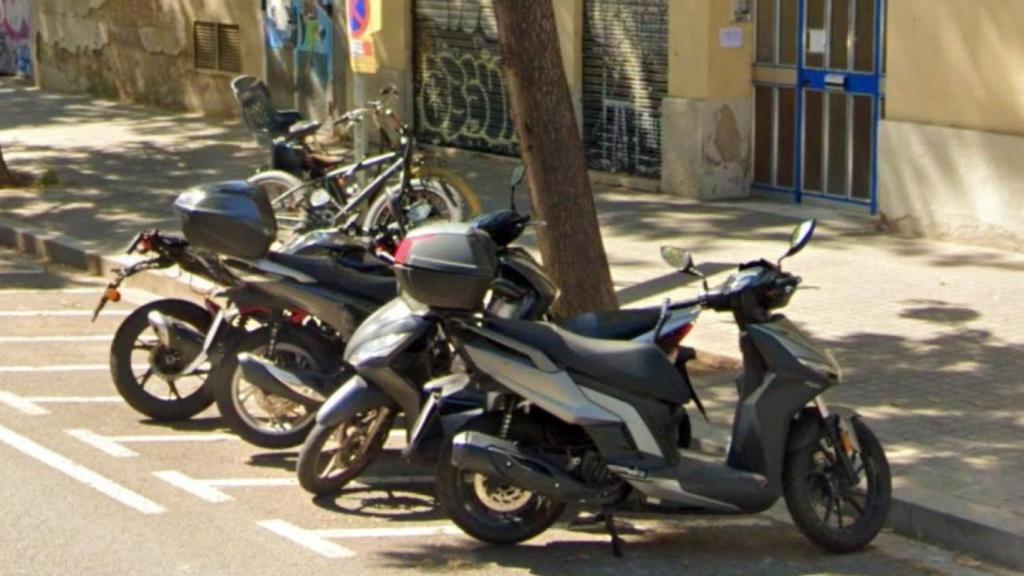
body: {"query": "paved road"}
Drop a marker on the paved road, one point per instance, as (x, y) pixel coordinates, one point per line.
(90, 487)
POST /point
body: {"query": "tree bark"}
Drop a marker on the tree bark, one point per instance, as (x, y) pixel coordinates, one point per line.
(6, 178)
(569, 235)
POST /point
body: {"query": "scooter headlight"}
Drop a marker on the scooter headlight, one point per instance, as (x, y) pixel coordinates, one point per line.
(377, 348)
(830, 371)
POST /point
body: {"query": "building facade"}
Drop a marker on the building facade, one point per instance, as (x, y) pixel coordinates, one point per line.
(910, 108)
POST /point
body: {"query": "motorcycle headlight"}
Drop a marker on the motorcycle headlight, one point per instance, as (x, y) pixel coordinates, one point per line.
(825, 370)
(377, 348)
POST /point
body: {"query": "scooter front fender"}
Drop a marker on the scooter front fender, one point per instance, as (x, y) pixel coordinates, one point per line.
(354, 397)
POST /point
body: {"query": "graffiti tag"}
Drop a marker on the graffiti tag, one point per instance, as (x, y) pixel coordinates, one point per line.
(15, 38)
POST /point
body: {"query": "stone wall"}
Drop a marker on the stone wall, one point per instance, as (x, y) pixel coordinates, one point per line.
(141, 50)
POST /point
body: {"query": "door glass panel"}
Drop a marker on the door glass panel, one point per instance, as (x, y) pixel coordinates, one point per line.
(864, 41)
(766, 31)
(788, 36)
(815, 36)
(763, 119)
(786, 146)
(838, 52)
(863, 122)
(837, 142)
(814, 122)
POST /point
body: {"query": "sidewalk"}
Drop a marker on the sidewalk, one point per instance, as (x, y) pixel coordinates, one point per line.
(930, 334)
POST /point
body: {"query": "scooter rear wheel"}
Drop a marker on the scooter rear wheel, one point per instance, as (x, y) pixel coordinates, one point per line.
(490, 511)
(144, 371)
(828, 509)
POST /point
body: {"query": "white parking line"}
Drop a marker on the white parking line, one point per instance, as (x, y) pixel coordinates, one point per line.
(31, 404)
(63, 368)
(11, 291)
(63, 313)
(308, 539)
(114, 445)
(82, 474)
(211, 490)
(53, 339)
(319, 541)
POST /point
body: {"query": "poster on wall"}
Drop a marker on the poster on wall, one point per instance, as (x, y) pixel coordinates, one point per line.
(364, 21)
(15, 38)
(300, 53)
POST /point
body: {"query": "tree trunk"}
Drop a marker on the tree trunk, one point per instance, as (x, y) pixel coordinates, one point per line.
(6, 178)
(570, 239)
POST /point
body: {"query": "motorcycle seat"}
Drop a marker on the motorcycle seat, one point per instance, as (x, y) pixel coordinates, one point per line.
(303, 129)
(615, 325)
(641, 369)
(328, 272)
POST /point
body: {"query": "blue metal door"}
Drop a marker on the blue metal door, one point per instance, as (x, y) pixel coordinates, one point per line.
(827, 90)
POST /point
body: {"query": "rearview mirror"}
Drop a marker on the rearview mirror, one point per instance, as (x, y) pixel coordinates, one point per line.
(677, 258)
(801, 237)
(518, 174)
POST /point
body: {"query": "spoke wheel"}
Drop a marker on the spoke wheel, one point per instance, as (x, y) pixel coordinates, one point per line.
(334, 455)
(148, 375)
(834, 512)
(263, 419)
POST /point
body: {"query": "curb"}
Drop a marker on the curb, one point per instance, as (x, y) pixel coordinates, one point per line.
(958, 525)
(61, 249)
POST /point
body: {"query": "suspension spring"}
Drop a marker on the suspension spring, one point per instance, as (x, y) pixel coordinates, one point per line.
(273, 339)
(506, 421)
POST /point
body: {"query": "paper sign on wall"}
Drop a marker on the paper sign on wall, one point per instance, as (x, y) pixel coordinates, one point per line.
(730, 38)
(816, 40)
(364, 21)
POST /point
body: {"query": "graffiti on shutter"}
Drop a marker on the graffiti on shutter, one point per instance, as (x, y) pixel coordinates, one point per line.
(461, 98)
(15, 37)
(625, 77)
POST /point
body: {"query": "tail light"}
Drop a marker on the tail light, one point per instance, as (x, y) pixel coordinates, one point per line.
(402, 254)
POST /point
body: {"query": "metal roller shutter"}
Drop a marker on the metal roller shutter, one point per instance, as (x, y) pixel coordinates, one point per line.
(460, 93)
(625, 77)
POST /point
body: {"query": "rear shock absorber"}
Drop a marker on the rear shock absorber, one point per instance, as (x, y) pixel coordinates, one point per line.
(506, 421)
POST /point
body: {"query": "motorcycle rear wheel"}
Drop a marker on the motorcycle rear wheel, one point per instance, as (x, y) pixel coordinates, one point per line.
(486, 510)
(819, 496)
(137, 385)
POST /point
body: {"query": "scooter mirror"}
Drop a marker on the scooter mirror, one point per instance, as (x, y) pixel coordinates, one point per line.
(517, 176)
(677, 258)
(801, 237)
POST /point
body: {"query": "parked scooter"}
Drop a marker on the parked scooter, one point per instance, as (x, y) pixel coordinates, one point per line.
(596, 423)
(228, 229)
(388, 349)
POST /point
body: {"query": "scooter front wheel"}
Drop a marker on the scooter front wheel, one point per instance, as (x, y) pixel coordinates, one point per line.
(334, 455)
(829, 509)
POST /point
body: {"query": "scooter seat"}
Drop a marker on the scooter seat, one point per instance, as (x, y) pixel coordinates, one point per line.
(615, 325)
(641, 369)
(328, 272)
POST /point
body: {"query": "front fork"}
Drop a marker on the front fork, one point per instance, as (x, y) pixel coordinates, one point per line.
(839, 433)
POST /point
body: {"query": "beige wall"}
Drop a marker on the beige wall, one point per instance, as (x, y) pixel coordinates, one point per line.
(141, 50)
(698, 66)
(957, 63)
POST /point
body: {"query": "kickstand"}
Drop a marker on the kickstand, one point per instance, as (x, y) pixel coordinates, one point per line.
(609, 524)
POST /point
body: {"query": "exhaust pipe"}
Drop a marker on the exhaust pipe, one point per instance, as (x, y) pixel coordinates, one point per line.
(501, 459)
(176, 335)
(278, 381)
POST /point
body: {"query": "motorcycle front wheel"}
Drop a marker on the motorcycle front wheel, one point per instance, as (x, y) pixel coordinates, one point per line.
(487, 509)
(826, 506)
(333, 456)
(146, 373)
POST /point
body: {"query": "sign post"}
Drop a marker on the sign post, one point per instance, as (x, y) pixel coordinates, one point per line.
(363, 21)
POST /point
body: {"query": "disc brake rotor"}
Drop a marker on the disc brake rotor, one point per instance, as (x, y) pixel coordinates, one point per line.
(500, 497)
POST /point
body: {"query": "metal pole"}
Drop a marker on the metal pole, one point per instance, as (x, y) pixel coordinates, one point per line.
(359, 143)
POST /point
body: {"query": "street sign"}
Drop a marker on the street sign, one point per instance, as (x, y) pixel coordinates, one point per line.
(364, 20)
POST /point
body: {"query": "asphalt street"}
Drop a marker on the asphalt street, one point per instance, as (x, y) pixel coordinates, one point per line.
(88, 486)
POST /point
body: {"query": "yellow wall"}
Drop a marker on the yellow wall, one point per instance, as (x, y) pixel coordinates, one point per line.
(698, 66)
(957, 63)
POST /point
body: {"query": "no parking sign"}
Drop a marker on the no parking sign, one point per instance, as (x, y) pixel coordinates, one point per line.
(363, 22)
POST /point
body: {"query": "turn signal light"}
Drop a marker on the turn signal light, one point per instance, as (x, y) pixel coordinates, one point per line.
(113, 295)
